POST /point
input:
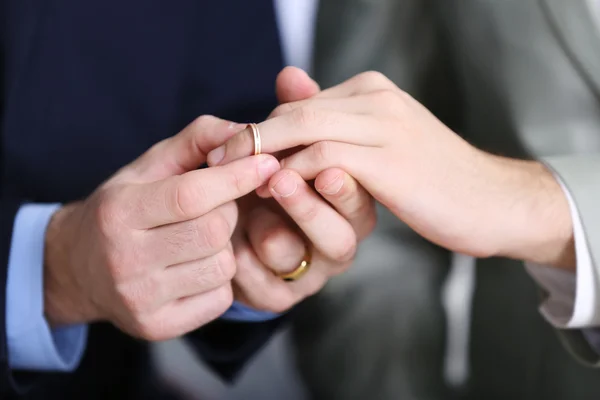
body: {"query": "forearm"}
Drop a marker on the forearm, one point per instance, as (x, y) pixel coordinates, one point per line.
(533, 214)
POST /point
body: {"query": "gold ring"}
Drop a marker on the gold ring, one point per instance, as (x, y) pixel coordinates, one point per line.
(256, 135)
(299, 271)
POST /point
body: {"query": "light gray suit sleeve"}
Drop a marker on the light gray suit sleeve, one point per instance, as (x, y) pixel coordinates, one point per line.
(581, 175)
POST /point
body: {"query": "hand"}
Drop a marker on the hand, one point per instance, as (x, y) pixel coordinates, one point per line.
(274, 236)
(447, 190)
(150, 249)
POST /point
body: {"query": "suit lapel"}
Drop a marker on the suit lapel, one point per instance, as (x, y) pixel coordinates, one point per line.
(579, 34)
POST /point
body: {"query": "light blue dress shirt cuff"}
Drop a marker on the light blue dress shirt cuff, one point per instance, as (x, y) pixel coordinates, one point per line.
(240, 312)
(32, 345)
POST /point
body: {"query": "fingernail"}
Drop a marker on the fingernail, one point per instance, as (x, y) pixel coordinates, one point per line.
(267, 167)
(215, 156)
(285, 186)
(333, 187)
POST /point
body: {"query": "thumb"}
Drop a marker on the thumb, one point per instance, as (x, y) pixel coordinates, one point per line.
(183, 152)
(293, 84)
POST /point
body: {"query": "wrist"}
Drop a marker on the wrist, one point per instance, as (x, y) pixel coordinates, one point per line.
(535, 216)
(64, 302)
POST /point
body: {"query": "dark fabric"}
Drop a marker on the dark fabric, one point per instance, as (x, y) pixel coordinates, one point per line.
(87, 86)
(513, 349)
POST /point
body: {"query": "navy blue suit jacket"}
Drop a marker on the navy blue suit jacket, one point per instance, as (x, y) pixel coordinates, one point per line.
(86, 87)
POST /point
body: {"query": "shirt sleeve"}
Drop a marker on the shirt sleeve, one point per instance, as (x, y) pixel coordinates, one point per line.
(32, 344)
(572, 299)
(242, 313)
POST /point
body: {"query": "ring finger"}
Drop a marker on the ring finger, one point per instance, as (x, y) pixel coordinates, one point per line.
(261, 289)
(276, 243)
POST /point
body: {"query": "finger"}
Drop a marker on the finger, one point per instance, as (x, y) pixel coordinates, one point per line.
(327, 230)
(185, 315)
(263, 290)
(349, 198)
(185, 151)
(263, 192)
(311, 122)
(343, 192)
(312, 160)
(195, 239)
(294, 84)
(199, 276)
(195, 193)
(277, 245)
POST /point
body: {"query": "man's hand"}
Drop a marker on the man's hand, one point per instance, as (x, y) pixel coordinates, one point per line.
(274, 236)
(150, 249)
(448, 191)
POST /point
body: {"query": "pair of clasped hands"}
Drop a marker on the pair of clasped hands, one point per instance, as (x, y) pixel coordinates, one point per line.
(163, 248)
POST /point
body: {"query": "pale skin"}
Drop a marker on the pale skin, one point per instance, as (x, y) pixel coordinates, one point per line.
(448, 191)
(332, 223)
(162, 248)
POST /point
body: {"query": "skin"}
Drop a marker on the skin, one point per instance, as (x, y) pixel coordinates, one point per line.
(328, 220)
(162, 248)
(450, 192)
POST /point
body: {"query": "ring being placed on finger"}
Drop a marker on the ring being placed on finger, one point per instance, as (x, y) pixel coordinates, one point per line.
(256, 135)
(300, 269)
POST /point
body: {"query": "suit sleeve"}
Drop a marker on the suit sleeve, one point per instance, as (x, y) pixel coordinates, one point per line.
(580, 174)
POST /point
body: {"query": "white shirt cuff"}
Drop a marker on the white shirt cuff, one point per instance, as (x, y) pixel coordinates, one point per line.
(572, 300)
(32, 344)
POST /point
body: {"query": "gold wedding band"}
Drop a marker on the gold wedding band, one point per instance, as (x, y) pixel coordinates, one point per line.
(299, 271)
(256, 135)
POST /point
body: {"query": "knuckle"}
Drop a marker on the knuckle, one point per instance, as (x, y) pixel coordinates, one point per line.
(386, 98)
(345, 250)
(202, 122)
(234, 180)
(308, 212)
(186, 198)
(373, 78)
(321, 152)
(121, 265)
(108, 212)
(215, 233)
(198, 275)
(123, 258)
(407, 97)
(282, 109)
(305, 116)
(222, 299)
(225, 265)
(155, 150)
(134, 298)
(272, 246)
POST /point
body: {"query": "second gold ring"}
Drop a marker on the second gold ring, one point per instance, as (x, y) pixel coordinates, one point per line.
(300, 269)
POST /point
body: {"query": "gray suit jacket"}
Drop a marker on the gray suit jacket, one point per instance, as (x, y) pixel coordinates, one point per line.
(515, 77)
